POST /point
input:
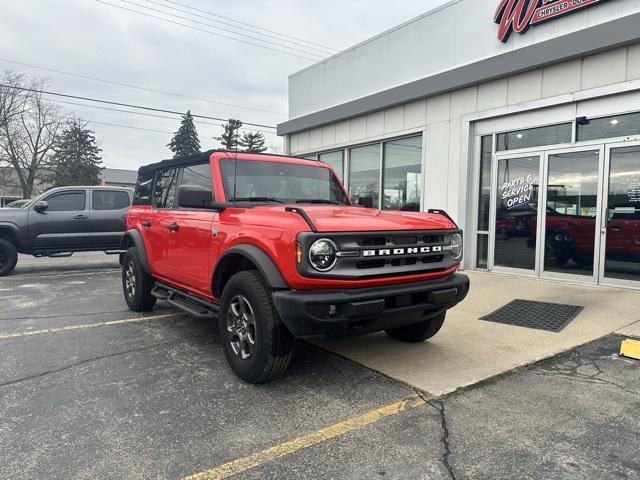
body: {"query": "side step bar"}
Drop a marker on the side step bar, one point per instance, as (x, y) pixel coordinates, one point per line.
(192, 305)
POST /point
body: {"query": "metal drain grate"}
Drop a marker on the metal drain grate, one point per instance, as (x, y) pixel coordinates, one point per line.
(539, 315)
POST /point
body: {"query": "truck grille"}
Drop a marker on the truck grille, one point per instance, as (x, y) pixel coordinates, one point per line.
(379, 254)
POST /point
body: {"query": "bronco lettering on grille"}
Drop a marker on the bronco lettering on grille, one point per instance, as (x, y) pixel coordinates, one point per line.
(386, 252)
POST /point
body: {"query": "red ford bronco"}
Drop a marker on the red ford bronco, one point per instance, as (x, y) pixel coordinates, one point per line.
(273, 248)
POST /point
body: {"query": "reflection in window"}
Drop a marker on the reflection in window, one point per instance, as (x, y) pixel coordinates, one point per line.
(364, 175)
(165, 188)
(534, 137)
(622, 260)
(616, 126)
(402, 174)
(335, 161)
(572, 194)
(516, 212)
(486, 146)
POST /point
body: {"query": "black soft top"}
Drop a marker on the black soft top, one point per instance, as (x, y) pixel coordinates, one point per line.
(193, 159)
(177, 162)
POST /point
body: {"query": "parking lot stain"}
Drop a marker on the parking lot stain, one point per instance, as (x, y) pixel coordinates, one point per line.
(86, 325)
(278, 451)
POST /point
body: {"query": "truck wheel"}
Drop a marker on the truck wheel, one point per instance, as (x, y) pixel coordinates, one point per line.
(136, 283)
(256, 343)
(418, 332)
(8, 257)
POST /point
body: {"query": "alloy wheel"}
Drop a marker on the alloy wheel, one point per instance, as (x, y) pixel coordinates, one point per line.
(130, 279)
(241, 325)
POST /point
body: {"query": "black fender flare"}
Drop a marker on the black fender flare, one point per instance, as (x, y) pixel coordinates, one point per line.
(133, 236)
(15, 231)
(263, 262)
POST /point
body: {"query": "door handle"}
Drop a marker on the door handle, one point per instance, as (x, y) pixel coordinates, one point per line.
(80, 217)
(145, 224)
(174, 227)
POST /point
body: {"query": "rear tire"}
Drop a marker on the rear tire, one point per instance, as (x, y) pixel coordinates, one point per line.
(418, 332)
(136, 283)
(8, 257)
(256, 344)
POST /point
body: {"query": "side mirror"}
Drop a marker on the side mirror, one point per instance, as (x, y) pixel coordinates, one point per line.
(194, 196)
(41, 206)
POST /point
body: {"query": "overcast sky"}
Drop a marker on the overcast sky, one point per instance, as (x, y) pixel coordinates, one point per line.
(87, 37)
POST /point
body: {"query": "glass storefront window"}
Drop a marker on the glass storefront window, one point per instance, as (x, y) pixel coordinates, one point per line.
(622, 256)
(534, 137)
(486, 150)
(402, 174)
(516, 212)
(335, 160)
(364, 175)
(572, 198)
(610, 127)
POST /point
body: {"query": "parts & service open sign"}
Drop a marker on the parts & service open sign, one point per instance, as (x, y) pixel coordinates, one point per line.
(519, 15)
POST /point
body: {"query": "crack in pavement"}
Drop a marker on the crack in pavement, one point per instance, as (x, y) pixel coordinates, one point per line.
(439, 406)
(94, 359)
(570, 368)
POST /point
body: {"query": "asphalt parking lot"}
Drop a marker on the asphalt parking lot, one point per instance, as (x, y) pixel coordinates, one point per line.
(91, 390)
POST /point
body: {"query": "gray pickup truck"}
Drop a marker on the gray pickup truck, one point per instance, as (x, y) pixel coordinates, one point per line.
(62, 221)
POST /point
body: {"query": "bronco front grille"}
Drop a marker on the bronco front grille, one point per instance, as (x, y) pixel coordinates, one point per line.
(379, 254)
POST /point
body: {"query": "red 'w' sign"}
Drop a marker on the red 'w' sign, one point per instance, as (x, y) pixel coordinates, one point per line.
(519, 15)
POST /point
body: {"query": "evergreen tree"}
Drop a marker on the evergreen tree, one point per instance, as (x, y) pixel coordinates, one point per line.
(76, 159)
(253, 142)
(230, 138)
(185, 141)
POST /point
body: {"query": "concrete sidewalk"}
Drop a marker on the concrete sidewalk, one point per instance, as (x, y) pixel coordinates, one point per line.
(468, 350)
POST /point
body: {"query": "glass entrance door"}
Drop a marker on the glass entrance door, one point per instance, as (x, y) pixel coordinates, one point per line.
(515, 214)
(571, 213)
(620, 233)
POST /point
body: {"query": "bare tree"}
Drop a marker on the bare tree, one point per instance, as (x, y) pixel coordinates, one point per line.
(11, 102)
(28, 136)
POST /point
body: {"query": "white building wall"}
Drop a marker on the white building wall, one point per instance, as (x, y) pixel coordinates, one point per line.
(458, 33)
(440, 118)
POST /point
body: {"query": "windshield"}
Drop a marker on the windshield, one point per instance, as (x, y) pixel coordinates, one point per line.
(280, 183)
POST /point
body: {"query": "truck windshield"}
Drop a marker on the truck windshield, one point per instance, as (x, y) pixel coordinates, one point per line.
(280, 182)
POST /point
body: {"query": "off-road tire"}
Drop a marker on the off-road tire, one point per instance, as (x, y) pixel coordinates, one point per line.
(139, 299)
(8, 257)
(273, 343)
(418, 332)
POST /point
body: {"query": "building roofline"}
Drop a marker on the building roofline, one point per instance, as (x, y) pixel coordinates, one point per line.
(379, 35)
(618, 32)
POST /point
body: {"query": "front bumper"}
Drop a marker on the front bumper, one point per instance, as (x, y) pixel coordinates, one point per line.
(339, 313)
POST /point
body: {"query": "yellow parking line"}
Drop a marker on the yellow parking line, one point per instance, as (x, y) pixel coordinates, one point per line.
(87, 325)
(256, 459)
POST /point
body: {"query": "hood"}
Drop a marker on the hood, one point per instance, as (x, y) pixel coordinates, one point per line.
(13, 215)
(329, 218)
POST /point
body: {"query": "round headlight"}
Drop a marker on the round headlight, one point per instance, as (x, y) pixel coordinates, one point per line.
(322, 255)
(456, 246)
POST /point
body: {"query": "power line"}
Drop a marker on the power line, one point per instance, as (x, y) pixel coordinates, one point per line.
(88, 77)
(236, 28)
(129, 126)
(206, 31)
(89, 99)
(234, 32)
(199, 122)
(326, 47)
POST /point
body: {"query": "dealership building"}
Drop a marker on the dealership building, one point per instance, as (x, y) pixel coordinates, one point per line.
(519, 118)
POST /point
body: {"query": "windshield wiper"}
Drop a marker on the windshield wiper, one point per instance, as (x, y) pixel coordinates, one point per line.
(257, 199)
(320, 200)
